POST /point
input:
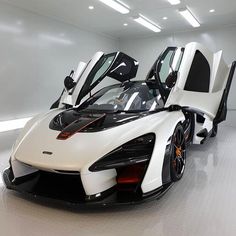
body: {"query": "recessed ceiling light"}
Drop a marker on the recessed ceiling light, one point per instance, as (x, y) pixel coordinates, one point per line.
(147, 23)
(125, 24)
(117, 5)
(185, 12)
(174, 2)
(91, 7)
(212, 10)
(165, 18)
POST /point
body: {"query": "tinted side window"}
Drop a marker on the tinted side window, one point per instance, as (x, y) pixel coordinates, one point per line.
(199, 75)
(165, 66)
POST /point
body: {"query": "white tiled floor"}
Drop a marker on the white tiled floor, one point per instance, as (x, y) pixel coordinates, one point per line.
(202, 203)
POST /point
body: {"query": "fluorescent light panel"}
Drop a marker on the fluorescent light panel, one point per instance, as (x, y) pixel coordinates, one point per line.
(122, 3)
(147, 23)
(118, 6)
(13, 124)
(174, 2)
(189, 17)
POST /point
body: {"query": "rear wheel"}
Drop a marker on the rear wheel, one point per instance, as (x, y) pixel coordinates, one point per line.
(178, 154)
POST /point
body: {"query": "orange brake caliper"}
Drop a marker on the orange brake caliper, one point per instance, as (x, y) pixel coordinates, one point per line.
(178, 151)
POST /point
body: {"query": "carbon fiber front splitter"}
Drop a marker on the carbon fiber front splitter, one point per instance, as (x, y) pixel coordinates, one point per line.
(47, 192)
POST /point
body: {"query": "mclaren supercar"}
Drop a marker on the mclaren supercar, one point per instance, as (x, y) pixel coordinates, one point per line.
(110, 139)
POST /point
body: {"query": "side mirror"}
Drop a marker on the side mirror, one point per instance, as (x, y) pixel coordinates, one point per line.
(171, 79)
(69, 82)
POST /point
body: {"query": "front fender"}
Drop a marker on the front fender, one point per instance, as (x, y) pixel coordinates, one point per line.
(164, 130)
(29, 126)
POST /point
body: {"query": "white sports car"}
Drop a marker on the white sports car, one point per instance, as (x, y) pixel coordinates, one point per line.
(110, 139)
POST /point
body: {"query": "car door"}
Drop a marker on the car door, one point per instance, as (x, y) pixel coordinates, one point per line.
(66, 96)
(200, 80)
(203, 81)
(108, 68)
(167, 63)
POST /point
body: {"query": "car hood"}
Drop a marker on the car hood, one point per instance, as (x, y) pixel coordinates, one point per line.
(72, 120)
(40, 147)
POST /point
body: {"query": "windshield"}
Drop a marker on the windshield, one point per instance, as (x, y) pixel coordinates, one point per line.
(129, 97)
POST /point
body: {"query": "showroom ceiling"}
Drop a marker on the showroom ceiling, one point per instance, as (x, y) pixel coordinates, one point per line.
(105, 20)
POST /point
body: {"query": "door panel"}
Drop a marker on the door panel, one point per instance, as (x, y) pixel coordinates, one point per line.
(66, 97)
(200, 73)
(116, 66)
(92, 63)
(169, 61)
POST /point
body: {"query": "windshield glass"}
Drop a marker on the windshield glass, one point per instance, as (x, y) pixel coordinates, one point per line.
(130, 97)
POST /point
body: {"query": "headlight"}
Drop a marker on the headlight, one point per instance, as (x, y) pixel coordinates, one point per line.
(135, 151)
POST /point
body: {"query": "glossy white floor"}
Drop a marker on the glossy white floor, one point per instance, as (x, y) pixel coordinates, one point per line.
(202, 203)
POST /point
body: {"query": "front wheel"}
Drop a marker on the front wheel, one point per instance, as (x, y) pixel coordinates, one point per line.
(178, 154)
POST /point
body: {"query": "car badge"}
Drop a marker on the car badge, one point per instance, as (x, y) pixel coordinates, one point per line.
(47, 153)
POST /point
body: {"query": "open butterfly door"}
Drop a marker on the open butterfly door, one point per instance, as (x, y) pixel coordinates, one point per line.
(197, 81)
(101, 70)
(203, 82)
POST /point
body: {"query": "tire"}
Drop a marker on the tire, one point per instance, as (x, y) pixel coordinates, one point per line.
(214, 130)
(178, 154)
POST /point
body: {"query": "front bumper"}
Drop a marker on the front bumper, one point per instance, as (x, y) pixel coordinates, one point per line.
(44, 187)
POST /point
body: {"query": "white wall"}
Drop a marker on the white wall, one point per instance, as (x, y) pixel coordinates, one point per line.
(146, 50)
(36, 53)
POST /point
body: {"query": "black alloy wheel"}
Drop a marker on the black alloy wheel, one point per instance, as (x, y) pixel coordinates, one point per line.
(178, 154)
